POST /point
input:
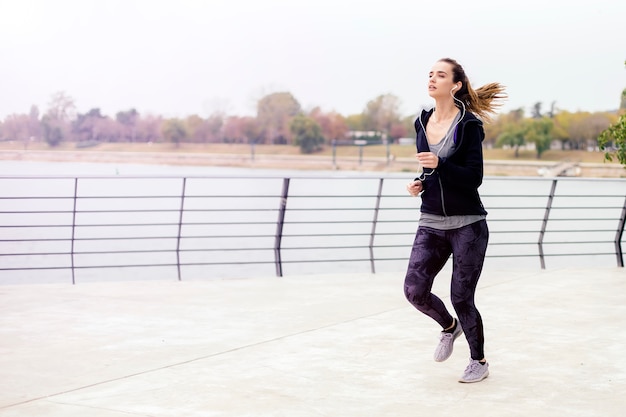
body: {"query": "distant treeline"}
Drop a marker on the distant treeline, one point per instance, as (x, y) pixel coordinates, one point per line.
(281, 120)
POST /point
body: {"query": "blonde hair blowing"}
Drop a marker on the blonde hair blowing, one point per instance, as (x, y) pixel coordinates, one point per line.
(484, 100)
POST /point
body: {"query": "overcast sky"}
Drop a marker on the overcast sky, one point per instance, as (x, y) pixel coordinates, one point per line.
(183, 57)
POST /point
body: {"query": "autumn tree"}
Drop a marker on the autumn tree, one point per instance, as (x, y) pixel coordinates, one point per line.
(355, 121)
(251, 129)
(174, 131)
(500, 124)
(197, 129)
(22, 127)
(598, 123)
(274, 113)
(397, 130)
(33, 126)
(576, 130)
(307, 133)
(382, 113)
(108, 129)
(333, 124)
(240, 130)
(508, 130)
(200, 130)
(560, 131)
(514, 135)
(149, 128)
(539, 132)
(128, 121)
(409, 126)
(492, 131)
(15, 128)
(87, 127)
(213, 128)
(233, 130)
(586, 127)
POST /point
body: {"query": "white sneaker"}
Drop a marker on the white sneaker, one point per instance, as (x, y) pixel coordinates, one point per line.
(446, 343)
(475, 371)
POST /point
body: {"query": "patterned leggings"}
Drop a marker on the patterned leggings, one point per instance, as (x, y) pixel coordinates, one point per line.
(431, 250)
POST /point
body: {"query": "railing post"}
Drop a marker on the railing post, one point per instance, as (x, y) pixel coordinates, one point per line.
(279, 227)
(544, 224)
(180, 227)
(618, 237)
(374, 223)
(74, 229)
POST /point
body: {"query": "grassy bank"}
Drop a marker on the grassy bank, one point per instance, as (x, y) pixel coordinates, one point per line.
(398, 151)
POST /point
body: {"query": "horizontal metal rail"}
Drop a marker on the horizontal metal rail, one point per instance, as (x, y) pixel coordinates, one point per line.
(85, 223)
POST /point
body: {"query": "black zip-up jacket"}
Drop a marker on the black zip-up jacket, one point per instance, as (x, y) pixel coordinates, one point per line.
(452, 189)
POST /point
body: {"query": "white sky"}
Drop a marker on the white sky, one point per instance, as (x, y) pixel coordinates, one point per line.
(183, 57)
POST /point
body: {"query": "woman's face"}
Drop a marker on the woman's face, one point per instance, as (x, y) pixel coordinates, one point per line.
(440, 80)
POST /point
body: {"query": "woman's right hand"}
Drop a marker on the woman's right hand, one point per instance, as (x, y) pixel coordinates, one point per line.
(414, 187)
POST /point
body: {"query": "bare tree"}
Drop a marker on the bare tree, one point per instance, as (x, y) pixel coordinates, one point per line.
(382, 113)
(56, 122)
(61, 107)
(274, 113)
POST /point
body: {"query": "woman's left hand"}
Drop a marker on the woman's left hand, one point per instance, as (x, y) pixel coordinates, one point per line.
(428, 159)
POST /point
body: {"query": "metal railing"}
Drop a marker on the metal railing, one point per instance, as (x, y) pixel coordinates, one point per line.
(233, 226)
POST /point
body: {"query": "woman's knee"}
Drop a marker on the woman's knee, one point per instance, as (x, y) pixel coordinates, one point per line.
(414, 294)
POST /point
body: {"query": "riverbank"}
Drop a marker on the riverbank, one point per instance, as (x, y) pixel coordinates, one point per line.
(399, 159)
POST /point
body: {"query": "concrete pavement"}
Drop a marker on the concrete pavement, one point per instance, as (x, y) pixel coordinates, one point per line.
(310, 346)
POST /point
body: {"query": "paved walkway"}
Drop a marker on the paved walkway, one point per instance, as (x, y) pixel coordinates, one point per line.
(331, 346)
